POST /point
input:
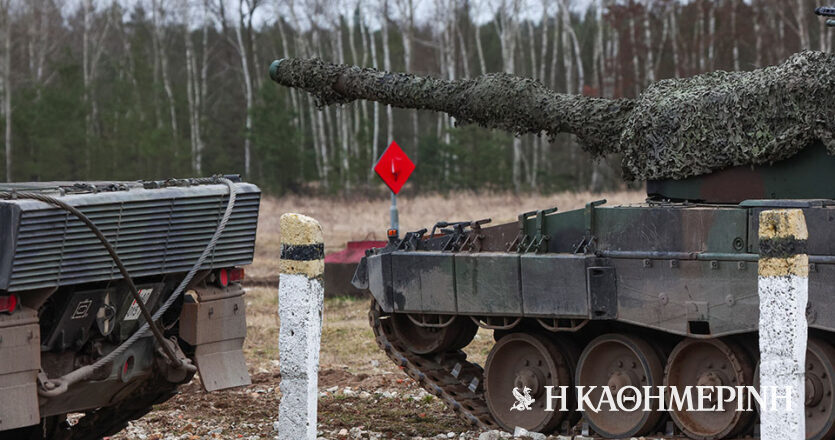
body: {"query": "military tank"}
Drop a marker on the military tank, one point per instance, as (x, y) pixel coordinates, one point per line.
(661, 293)
(112, 294)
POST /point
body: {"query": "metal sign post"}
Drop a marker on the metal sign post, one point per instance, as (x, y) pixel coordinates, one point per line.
(395, 223)
(394, 167)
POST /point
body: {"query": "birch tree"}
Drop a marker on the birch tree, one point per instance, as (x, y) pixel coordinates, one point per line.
(158, 14)
(375, 136)
(196, 85)
(801, 11)
(246, 8)
(92, 48)
(507, 27)
(387, 66)
(649, 64)
(6, 21)
(407, 25)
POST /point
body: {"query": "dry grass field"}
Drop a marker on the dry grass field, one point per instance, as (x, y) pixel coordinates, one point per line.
(363, 394)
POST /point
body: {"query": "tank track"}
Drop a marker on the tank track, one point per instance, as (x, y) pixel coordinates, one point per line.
(448, 376)
(456, 381)
(101, 422)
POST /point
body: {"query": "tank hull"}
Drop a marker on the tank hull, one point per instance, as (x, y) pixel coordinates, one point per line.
(671, 287)
(71, 307)
(689, 270)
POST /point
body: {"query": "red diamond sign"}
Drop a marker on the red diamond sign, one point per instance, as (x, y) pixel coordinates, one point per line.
(394, 167)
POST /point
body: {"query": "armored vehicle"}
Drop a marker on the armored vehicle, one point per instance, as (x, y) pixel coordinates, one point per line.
(114, 293)
(651, 294)
(662, 293)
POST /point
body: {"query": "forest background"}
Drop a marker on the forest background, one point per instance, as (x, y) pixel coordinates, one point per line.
(145, 89)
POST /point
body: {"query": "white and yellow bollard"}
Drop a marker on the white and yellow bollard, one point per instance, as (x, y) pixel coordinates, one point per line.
(783, 293)
(300, 297)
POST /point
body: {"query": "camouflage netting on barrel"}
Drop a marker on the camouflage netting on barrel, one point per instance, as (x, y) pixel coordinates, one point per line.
(676, 128)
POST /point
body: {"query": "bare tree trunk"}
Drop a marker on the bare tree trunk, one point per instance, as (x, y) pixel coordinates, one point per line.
(318, 146)
(159, 35)
(699, 37)
(7, 86)
(636, 66)
(781, 36)
(91, 61)
(341, 114)
(479, 49)
(568, 59)
(193, 95)
(31, 31)
(507, 28)
(204, 67)
(610, 61)
(375, 136)
(320, 119)
(354, 115)
(34, 41)
(532, 48)
(599, 70)
(155, 53)
(465, 56)
(85, 60)
(202, 91)
(323, 141)
(449, 37)
(649, 64)
(364, 62)
(248, 93)
(758, 35)
(711, 50)
(558, 37)
(294, 103)
(734, 39)
(43, 45)
(407, 11)
(674, 43)
(665, 32)
(387, 67)
(543, 50)
(801, 12)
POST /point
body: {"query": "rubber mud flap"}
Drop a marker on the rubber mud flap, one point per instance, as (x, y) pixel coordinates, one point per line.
(20, 360)
(222, 365)
(217, 329)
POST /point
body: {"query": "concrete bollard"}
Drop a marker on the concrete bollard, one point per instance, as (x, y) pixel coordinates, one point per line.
(783, 294)
(300, 296)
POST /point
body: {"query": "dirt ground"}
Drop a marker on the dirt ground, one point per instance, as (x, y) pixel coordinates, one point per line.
(362, 393)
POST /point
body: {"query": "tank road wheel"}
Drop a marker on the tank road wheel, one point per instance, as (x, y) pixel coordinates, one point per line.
(521, 363)
(426, 340)
(709, 362)
(820, 384)
(618, 361)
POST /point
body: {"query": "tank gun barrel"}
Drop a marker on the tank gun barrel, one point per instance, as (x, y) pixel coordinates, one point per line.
(498, 100)
(674, 129)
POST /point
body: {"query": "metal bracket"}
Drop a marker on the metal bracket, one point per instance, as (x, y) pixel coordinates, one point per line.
(539, 241)
(589, 242)
(410, 240)
(474, 239)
